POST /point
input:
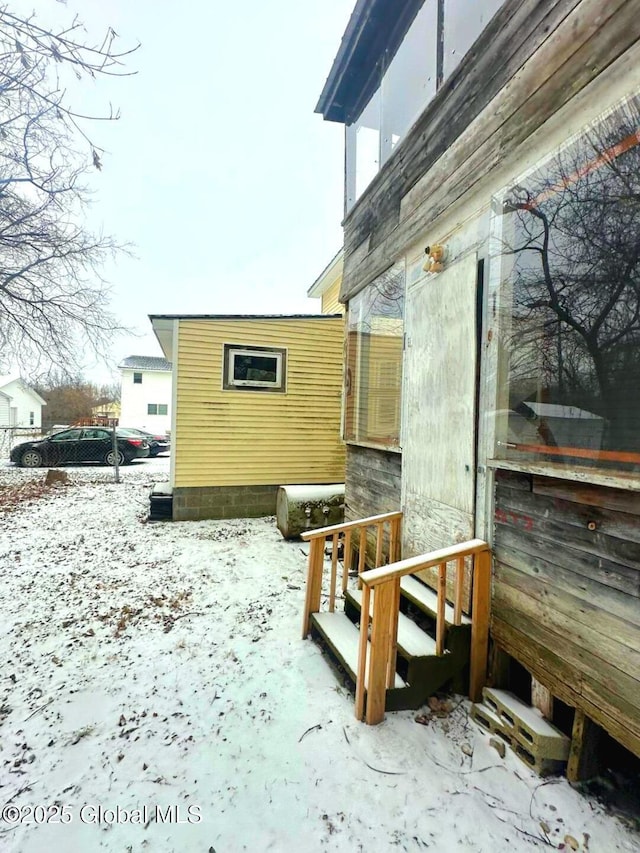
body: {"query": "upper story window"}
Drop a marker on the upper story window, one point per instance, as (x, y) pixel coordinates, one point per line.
(569, 363)
(408, 81)
(32, 418)
(463, 23)
(373, 385)
(137, 378)
(157, 408)
(254, 368)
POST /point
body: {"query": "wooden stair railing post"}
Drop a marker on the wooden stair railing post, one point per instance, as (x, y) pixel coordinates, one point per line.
(480, 608)
(346, 559)
(457, 607)
(440, 613)
(314, 582)
(362, 553)
(394, 540)
(379, 542)
(393, 649)
(379, 653)
(334, 572)
(381, 581)
(362, 651)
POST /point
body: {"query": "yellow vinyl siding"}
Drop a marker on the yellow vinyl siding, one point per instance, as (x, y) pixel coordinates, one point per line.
(245, 437)
(330, 303)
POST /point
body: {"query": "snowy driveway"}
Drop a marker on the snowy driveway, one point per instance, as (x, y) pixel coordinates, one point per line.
(154, 684)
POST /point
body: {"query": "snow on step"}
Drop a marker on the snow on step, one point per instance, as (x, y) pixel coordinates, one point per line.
(428, 598)
(343, 635)
(411, 639)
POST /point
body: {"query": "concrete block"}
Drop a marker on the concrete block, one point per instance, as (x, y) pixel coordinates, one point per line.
(488, 721)
(527, 726)
(540, 765)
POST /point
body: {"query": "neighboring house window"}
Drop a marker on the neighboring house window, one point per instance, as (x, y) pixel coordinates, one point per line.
(32, 418)
(156, 408)
(137, 378)
(373, 381)
(254, 368)
(569, 357)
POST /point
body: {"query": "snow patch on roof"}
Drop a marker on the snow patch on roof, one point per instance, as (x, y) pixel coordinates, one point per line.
(144, 362)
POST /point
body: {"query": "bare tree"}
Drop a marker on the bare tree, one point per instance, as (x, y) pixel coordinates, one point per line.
(53, 301)
(71, 398)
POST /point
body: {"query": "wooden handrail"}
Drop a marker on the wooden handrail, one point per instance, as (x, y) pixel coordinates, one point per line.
(374, 577)
(349, 525)
(341, 533)
(385, 580)
(377, 669)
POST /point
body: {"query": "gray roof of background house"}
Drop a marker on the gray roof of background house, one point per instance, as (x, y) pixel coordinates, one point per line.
(144, 362)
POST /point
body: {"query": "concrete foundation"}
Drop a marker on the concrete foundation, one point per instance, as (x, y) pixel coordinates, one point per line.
(197, 503)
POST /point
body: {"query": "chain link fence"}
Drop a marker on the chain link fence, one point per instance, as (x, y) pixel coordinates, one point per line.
(96, 445)
(12, 435)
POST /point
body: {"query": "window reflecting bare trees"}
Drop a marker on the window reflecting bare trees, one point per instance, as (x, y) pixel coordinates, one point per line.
(571, 300)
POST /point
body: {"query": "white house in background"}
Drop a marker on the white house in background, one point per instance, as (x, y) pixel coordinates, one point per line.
(145, 400)
(5, 409)
(25, 405)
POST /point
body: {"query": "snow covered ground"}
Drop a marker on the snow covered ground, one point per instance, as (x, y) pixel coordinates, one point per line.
(148, 666)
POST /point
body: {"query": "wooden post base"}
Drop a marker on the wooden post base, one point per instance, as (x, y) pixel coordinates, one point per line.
(583, 756)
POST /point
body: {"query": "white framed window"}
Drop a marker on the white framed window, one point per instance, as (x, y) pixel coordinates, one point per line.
(252, 368)
(156, 408)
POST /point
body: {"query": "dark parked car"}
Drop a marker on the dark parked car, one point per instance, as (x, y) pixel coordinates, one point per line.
(79, 444)
(157, 443)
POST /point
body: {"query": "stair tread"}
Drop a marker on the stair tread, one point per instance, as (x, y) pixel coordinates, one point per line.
(344, 637)
(427, 598)
(412, 641)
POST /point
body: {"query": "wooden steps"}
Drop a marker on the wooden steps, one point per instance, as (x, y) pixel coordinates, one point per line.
(343, 637)
(408, 627)
(426, 599)
(412, 641)
(420, 671)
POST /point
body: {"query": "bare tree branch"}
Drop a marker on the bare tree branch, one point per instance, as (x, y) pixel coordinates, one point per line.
(54, 303)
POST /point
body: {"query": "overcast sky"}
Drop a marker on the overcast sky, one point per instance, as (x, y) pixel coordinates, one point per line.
(219, 173)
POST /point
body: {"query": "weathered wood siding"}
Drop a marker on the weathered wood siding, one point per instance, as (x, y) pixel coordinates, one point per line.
(238, 437)
(565, 598)
(372, 487)
(534, 57)
(373, 482)
(566, 593)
